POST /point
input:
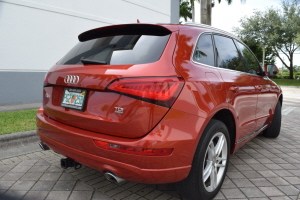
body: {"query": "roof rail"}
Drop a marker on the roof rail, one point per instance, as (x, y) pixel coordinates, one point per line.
(210, 27)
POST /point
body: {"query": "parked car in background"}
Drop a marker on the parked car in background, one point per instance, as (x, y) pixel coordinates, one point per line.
(157, 103)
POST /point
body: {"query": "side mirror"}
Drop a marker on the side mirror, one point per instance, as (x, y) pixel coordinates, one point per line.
(271, 69)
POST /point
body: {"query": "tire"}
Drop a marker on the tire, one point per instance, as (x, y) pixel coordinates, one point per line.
(274, 130)
(202, 183)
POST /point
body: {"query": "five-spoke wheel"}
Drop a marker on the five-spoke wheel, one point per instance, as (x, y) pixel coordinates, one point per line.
(209, 165)
(215, 162)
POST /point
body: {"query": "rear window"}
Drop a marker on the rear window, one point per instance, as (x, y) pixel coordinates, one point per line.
(118, 50)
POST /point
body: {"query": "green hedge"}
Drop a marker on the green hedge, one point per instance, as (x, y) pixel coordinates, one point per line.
(275, 77)
(284, 77)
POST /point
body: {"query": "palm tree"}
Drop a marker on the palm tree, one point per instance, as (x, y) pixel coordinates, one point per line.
(185, 10)
(193, 9)
(205, 9)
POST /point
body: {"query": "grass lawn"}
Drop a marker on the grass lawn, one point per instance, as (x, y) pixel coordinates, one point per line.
(287, 82)
(17, 121)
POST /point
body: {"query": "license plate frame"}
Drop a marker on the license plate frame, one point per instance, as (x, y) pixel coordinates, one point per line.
(74, 98)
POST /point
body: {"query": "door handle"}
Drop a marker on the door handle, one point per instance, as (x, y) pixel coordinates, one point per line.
(234, 88)
(259, 87)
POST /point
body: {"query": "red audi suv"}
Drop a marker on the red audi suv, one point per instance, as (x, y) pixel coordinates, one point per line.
(158, 103)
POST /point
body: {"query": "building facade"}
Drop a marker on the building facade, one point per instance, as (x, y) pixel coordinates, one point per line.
(36, 34)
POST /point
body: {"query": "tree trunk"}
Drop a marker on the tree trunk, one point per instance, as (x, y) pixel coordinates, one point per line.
(291, 68)
(203, 11)
(193, 13)
(208, 14)
(290, 58)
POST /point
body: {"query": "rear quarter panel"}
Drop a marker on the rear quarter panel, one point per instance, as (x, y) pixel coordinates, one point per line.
(203, 94)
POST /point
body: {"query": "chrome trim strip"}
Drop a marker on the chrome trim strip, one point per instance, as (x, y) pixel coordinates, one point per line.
(251, 134)
(239, 72)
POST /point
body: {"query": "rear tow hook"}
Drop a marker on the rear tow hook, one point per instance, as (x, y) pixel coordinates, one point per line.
(65, 163)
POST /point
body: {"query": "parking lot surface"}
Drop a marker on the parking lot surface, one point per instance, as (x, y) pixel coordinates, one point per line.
(262, 169)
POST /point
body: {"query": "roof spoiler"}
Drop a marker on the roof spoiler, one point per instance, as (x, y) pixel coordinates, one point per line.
(124, 29)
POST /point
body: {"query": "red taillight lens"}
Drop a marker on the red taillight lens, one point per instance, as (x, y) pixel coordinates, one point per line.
(47, 79)
(134, 150)
(162, 91)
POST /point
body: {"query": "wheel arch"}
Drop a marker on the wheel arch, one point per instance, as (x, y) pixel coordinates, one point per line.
(227, 118)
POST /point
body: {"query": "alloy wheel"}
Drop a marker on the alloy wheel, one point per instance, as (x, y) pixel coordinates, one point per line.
(215, 162)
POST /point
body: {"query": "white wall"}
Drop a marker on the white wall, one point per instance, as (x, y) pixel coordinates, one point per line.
(35, 34)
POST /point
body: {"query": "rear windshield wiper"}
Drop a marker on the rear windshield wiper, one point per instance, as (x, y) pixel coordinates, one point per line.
(92, 62)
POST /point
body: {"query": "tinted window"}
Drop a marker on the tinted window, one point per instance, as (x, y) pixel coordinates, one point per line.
(227, 54)
(251, 64)
(118, 50)
(204, 52)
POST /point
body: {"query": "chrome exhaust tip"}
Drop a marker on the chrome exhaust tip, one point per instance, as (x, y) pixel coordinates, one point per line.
(44, 146)
(113, 178)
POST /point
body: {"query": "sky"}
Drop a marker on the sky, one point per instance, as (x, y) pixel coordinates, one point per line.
(226, 16)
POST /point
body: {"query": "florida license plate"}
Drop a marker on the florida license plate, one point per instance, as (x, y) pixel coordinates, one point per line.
(74, 98)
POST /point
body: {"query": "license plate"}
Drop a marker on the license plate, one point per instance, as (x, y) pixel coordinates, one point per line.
(74, 98)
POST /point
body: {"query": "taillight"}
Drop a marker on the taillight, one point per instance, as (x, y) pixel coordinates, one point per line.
(162, 91)
(47, 79)
(134, 150)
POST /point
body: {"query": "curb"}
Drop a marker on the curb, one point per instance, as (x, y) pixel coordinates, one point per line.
(288, 86)
(18, 139)
(20, 106)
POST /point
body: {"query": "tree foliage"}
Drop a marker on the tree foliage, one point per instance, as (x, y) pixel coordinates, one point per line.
(277, 29)
(257, 49)
(185, 10)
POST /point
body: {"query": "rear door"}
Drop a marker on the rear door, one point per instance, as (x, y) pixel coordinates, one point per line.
(267, 97)
(240, 88)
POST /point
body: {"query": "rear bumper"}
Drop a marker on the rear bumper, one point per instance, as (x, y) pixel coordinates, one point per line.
(126, 171)
(179, 133)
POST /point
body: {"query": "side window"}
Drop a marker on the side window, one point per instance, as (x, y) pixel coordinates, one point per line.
(204, 52)
(251, 64)
(227, 54)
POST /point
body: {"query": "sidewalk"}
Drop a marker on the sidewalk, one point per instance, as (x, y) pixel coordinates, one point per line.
(262, 169)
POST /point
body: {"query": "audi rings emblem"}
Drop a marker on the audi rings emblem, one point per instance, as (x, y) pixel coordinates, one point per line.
(71, 79)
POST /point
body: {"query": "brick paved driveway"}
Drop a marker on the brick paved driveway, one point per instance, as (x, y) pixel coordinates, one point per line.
(262, 169)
